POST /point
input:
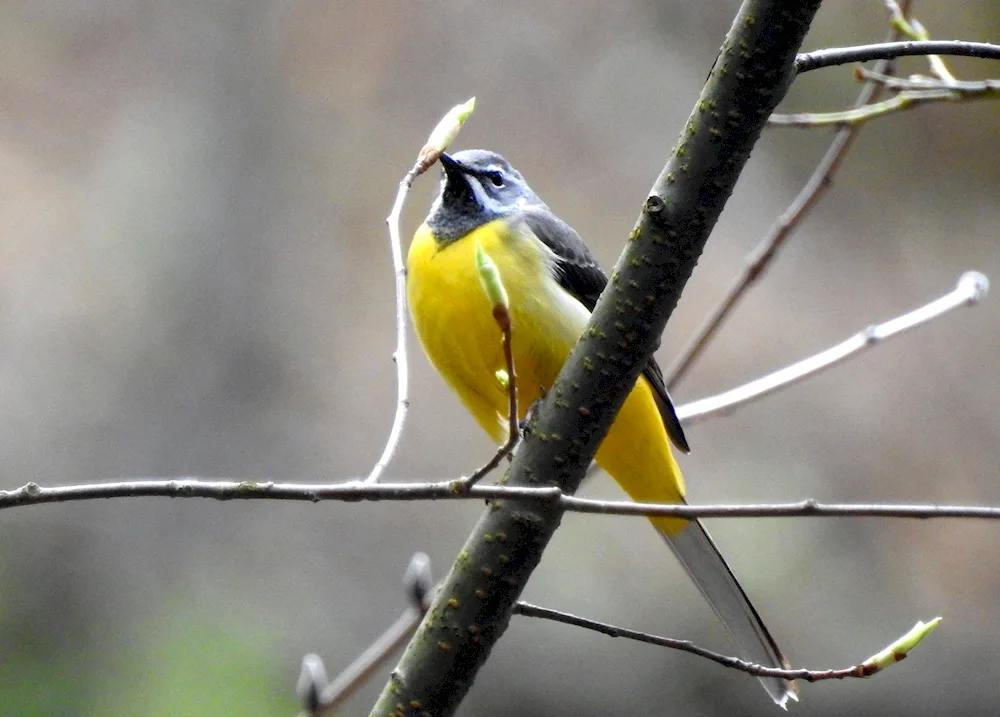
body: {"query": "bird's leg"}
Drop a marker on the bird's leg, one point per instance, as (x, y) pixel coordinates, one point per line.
(524, 425)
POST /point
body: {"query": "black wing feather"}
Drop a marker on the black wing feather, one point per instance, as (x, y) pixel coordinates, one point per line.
(581, 276)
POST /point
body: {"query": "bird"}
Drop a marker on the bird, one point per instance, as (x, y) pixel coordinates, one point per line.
(553, 282)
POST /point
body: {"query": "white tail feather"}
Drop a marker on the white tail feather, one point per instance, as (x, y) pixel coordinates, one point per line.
(706, 566)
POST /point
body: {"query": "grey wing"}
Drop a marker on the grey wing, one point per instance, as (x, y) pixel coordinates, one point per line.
(671, 422)
(578, 272)
(580, 275)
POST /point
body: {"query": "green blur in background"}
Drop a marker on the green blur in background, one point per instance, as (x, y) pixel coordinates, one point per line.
(195, 280)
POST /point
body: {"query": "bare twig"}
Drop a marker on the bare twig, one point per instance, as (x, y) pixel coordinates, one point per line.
(802, 509)
(359, 671)
(969, 88)
(439, 140)
(911, 92)
(418, 583)
(400, 355)
(818, 59)
(971, 289)
(912, 29)
(513, 433)
(493, 284)
(764, 253)
(356, 491)
(320, 697)
(904, 100)
(874, 664)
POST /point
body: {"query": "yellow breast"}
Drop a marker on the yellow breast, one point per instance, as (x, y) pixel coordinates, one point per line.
(454, 319)
(454, 322)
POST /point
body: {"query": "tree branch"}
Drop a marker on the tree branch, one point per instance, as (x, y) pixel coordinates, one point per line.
(441, 136)
(873, 665)
(493, 283)
(907, 100)
(399, 357)
(319, 696)
(910, 92)
(357, 491)
(971, 88)
(765, 251)
(971, 289)
(818, 59)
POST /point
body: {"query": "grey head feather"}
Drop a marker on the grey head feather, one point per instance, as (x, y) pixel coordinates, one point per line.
(478, 187)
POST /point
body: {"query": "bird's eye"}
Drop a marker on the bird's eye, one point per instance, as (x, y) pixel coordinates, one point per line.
(496, 178)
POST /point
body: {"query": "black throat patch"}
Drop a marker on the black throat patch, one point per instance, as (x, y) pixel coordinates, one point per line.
(457, 214)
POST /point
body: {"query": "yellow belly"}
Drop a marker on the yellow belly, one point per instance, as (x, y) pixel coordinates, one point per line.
(454, 321)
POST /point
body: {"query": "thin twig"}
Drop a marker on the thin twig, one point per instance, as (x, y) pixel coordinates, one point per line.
(400, 356)
(919, 82)
(359, 671)
(502, 316)
(818, 59)
(912, 29)
(418, 584)
(867, 668)
(905, 100)
(357, 491)
(972, 287)
(764, 253)
(912, 92)
(362, 668)
(441, 136)
(801, 509)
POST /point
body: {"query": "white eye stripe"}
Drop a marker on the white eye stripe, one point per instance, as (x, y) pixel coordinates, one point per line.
(485, 199)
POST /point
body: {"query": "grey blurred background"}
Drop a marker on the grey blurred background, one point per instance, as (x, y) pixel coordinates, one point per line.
(195, 280)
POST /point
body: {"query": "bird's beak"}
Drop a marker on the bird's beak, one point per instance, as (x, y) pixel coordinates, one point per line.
(452, 167)
(456, 186)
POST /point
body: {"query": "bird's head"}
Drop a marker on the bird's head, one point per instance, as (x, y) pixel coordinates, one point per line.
(478, 186)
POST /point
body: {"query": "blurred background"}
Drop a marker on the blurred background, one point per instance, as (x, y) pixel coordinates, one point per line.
(195, 280)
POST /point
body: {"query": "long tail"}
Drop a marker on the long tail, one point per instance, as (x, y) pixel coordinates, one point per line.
(706, 566)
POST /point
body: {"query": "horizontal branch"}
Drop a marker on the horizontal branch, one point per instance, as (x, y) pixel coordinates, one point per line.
(357, 491)
(911, 93)
(856, 116)
(801, 509)
(972, 88)
(808, 61)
